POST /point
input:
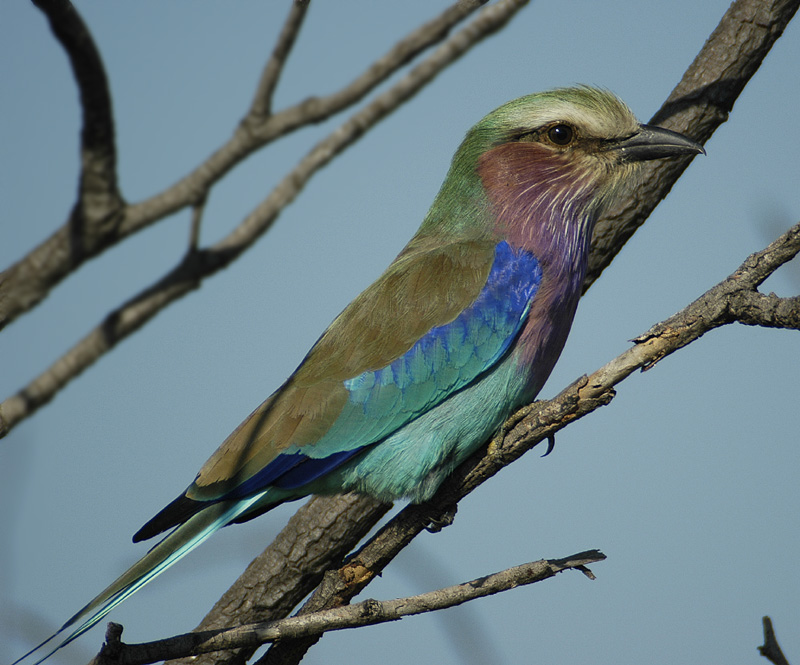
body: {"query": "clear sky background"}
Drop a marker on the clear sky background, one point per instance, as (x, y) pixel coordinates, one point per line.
(687, 481)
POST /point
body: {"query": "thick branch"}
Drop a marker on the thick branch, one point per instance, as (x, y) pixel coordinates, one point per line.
(201, 264)
(365, 613)
(277, 580)
(698, 105)
(98, 182)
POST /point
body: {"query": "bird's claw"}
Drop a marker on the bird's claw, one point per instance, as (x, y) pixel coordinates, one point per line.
(551, 443)
(446, 518)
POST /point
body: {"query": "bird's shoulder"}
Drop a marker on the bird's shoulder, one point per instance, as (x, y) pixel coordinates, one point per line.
(427, 286)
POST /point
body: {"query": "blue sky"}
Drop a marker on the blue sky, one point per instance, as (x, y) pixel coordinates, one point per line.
(687, 481)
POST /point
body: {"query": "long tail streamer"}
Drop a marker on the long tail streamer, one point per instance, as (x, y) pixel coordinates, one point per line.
(171, 549)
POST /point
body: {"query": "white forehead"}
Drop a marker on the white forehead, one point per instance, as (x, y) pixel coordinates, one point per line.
(595, 112)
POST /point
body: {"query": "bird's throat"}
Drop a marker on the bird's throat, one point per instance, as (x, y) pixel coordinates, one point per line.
(544, 203)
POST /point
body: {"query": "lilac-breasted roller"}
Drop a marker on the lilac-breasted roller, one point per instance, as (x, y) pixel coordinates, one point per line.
(463, 327)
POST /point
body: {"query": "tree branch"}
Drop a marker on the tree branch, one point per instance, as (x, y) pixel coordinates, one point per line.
(366, 613)
(279, 578)
(257, 130)
(697, 106)
(769, 311)
(262, 103)
(27, 282)
(203, 263)
(98, 208)
(771, 650)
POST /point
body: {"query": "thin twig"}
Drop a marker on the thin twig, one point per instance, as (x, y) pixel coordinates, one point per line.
(256, 131)
(771, 650)
(365, 613)
(262, 102)
(194, 228)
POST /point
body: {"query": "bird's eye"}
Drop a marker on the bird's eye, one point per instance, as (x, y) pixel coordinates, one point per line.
(561, 134)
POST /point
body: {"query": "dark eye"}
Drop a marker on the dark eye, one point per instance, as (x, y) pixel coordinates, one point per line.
(561, 134)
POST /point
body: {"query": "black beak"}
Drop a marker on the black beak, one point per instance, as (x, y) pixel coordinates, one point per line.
(652, 142)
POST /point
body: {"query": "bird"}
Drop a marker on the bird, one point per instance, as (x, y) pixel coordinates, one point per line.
(462, 328)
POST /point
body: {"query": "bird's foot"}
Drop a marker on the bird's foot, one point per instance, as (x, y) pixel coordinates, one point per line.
(442, 520)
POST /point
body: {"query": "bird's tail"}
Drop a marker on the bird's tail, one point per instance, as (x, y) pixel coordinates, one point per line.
(175, 546)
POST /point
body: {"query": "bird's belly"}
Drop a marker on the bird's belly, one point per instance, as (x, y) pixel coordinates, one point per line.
(414, 460)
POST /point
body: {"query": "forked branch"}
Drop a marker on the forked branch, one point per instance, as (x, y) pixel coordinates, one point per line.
(192, 191)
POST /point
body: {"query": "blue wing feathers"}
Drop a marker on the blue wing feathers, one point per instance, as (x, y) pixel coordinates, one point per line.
(443, 361)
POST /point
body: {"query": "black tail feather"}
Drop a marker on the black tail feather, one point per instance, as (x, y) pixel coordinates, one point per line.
(177, 512)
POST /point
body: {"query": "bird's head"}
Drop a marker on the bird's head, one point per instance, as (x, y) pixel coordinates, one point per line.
(564, 155)
(558, 158)
(539, 170)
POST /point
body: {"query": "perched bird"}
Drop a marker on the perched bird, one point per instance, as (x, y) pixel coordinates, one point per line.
(464, 326)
